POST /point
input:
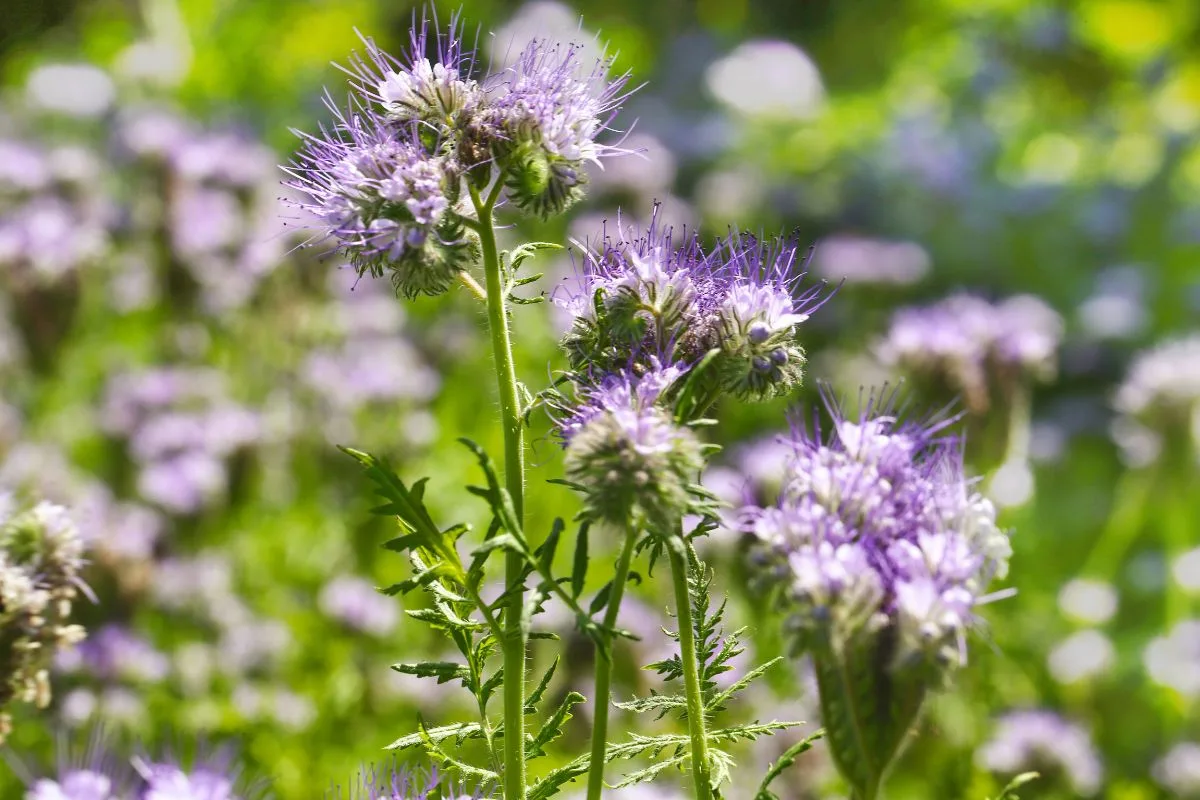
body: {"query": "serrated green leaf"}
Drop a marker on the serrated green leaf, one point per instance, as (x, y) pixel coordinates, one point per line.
(786, 759)
(535, 697)
(460, 731)
(444, 671)
(552, 728)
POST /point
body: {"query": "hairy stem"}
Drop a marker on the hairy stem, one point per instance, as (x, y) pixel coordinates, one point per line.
(513, 643)
(701, 770)
(604, 667)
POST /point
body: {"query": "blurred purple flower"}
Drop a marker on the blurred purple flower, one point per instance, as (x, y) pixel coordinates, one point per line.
(1043, 741)
(972, 343)
(356, 602)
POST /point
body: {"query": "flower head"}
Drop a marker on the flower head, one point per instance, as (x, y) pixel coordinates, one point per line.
(1161, 392)
(758, 313)
(879, 551)
(384, 200)
(88, 773)
(550, 108)
(441, 94)
(660, 295)
(626, 451)
(973, 344)
(877, 527)
(216, 777)
(1043, 741)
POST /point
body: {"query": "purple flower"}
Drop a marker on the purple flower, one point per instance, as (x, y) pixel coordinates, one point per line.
(549, 108)
(394, 782)
(216, 777)
(93, 774)
(1161, 392)
(1043, 741)
(655, 294)
(357, 603)
(877, 527)
(442, 95)
(381, 198)
(969, 342)
(117, 653)
(627, 452)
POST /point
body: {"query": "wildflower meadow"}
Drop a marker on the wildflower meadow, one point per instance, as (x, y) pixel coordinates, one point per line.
(757, 400)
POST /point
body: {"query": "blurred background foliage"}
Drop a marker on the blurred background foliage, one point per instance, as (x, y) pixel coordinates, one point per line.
(998, 146)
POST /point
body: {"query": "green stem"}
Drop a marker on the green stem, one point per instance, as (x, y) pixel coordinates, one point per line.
(701, 770)
(513, 643)
(604, 667)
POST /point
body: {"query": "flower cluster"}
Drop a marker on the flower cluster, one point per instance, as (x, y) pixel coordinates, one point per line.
(393, 782)
(657, 295)
(1161, 393)
(41, 556)
(628, 453)
(1045, 742)
(98, 775)
(181, 428)
(385, 183)
(973, 345)
(877, 529)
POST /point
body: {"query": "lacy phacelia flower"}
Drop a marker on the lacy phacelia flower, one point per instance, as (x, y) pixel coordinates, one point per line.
(384, 200)
(549, 110)
(655, 293)
(628, 454)
(1042, 741)
(92, 773)
(879, 551)
(1161, 394)
(971, 343)
(394, 782)
(217, 777)
(40, 560)
(442, 96)
(759, 312)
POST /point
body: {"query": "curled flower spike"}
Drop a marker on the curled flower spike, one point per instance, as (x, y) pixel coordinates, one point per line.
(627, 453)
(879, 550)
(655, 292)
(759, 314)
(384, 201)
(550, 109)
(442, 94)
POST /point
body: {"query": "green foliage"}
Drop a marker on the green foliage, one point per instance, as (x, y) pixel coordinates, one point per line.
(715, 650)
